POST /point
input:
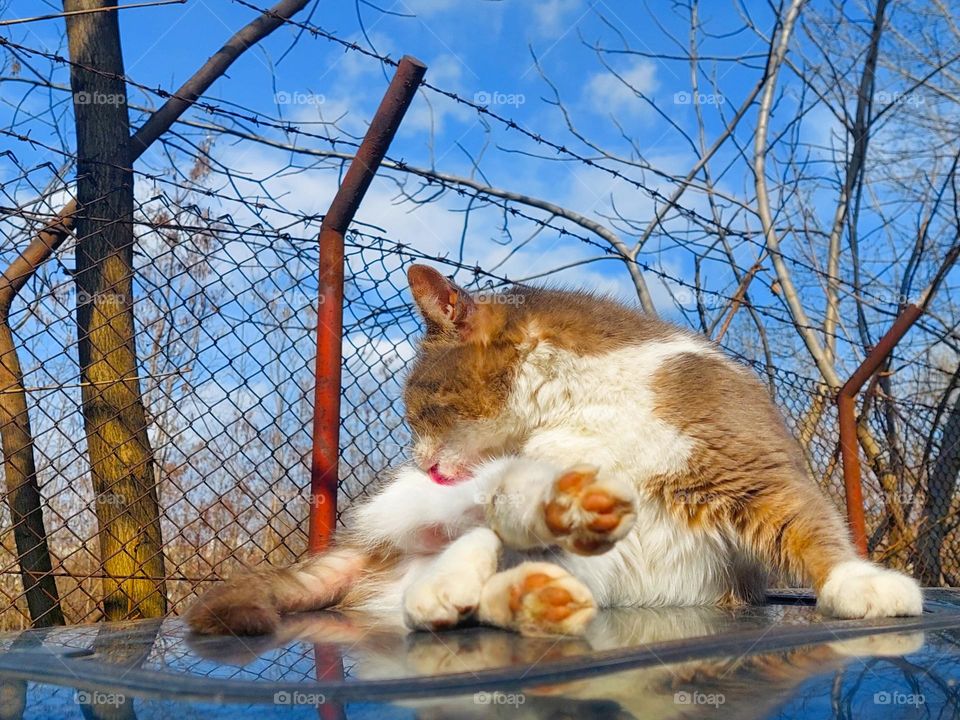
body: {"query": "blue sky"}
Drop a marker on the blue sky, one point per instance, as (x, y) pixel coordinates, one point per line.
(480, 50)
(484, 50)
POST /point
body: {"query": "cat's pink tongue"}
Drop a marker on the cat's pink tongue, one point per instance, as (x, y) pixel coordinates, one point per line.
(440, 479)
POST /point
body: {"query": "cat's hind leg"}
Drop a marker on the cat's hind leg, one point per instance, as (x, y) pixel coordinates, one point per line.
(537, 598)
(252, 603)
(793, 525)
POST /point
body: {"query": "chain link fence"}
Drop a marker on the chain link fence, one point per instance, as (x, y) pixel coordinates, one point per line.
(226, 321)
(226, 340)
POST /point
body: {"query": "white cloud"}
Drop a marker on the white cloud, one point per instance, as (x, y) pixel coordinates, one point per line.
(607, 93)
(553, 16)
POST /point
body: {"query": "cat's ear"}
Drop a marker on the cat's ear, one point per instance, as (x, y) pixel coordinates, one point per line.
(443, 304)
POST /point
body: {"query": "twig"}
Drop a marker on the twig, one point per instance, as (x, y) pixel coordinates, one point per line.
(55, 16)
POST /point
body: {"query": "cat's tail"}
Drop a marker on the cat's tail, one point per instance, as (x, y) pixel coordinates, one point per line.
(252, 603)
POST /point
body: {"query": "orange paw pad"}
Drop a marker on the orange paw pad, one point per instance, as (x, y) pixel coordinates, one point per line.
(543, 600)
(585, 510)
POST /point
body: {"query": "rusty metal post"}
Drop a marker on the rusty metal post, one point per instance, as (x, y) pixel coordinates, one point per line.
(324, 476)
(847, 416)
(846, 399)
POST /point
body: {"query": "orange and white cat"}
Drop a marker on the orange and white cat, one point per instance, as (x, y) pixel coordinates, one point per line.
(571, 453)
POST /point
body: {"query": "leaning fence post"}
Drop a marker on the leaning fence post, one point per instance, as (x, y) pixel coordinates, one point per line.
(847, 418)
(847, 398)
(324, 477)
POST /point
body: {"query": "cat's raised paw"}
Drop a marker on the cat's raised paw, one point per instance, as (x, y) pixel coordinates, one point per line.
(537, 598)
(588, 515)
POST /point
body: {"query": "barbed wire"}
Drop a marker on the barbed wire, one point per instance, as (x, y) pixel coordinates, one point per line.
(295, 219)
(506, 206)
(257, 118)
(562, 149)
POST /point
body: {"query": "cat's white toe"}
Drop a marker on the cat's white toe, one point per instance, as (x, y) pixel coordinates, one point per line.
(440, 602)
(859, 589)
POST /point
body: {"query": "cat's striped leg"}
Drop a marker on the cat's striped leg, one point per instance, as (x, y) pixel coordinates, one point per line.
(793, 525)
(537, 598)
(251, 603)
(532, 504)
(447, 591)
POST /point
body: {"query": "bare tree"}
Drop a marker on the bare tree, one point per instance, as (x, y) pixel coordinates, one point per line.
(122, 465)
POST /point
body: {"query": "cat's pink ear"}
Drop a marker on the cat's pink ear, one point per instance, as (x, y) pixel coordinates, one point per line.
(443, 304)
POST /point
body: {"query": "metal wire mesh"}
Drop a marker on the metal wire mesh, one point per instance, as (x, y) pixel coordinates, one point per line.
(225, 333)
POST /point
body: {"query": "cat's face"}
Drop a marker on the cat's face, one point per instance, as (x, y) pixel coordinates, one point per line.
(460, 381)
(463, 399)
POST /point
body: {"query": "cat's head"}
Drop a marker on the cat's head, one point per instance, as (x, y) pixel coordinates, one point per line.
(463, 401)
(458, 385)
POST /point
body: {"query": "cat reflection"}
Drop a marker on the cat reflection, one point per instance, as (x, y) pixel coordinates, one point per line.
(741, 686)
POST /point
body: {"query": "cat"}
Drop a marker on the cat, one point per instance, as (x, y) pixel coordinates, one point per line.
(571, 453)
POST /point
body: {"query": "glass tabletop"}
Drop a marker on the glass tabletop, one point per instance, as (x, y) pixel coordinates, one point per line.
(780, 660)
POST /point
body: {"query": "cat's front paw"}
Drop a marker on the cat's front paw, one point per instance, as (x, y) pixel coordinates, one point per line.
(441, 601)
(537, 598)
(860, 589)
(587, 515)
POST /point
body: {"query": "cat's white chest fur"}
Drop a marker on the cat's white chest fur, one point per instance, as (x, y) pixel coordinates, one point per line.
(602, 408)
(660, 563)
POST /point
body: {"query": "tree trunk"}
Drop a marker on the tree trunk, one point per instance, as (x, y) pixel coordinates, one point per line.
(121, 460)
(23, 491)
(942, 485)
